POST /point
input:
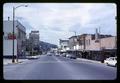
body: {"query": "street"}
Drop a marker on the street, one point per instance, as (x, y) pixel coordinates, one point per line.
(58, 68)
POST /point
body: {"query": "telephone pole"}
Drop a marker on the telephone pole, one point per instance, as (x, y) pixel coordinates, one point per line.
(75, 42)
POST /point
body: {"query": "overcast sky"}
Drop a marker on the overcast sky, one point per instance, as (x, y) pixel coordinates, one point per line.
(59, 20)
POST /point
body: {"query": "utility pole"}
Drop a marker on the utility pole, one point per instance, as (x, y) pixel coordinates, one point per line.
(75, 33)
(13, 58)
(116, 37)
(75, 42)
(99, 38)
(101, 50)
(84, 47)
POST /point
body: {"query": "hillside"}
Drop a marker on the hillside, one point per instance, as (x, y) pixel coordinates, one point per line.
(46, 46)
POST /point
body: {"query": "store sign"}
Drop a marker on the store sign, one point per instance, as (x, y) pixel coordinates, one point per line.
(9, 36)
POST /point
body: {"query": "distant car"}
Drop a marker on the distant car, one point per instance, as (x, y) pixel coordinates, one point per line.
(111, 61)
(71, 56)
(49, 54)
(32, 57)
(57, 55)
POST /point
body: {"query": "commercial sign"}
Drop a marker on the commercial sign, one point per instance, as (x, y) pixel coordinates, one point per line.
(9, 36)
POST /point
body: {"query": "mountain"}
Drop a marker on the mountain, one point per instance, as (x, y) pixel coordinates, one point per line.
(45, 46)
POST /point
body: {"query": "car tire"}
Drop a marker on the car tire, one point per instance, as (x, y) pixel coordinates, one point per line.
(107, 63)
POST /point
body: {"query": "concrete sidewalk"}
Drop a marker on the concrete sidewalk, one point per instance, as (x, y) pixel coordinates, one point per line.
(9, 61)
(82, 59)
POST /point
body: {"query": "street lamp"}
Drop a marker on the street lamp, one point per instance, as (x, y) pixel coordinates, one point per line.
(13, 60)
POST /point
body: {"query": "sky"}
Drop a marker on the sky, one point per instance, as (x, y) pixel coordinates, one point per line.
(61, 20)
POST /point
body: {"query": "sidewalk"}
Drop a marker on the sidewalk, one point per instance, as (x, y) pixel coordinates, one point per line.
(9, 61)
(82, 59)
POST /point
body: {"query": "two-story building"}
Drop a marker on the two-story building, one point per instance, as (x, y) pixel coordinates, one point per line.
(93, 46)
(19, 38)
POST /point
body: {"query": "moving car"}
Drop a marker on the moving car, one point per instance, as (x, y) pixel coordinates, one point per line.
(49, 54)
(111, 61)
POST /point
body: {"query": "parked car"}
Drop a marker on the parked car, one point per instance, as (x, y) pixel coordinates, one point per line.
(32, 57)
(71, 56)
(111, 61)
(57, 55)
(68, 55)
(64, 55)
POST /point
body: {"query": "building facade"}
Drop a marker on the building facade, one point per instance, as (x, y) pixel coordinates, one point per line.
(105, 46)
(19, 38)
(34, 41)
(34, 37)
(72, 42)
(93, 46)
(63, 45)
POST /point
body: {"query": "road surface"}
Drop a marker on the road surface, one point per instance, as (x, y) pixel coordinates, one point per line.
(58, 68)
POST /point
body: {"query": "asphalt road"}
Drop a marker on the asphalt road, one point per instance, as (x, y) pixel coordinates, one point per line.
(58, 68)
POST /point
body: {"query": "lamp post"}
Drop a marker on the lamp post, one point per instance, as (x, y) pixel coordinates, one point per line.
(13, 58)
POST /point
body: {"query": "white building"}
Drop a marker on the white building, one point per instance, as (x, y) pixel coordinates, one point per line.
(64, 45)
(19, 38)
(73, 43)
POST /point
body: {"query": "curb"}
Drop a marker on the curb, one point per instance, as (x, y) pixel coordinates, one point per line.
(13, 63)
(88, 60)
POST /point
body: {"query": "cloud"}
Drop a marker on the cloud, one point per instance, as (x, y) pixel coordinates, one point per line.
(59, 20)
